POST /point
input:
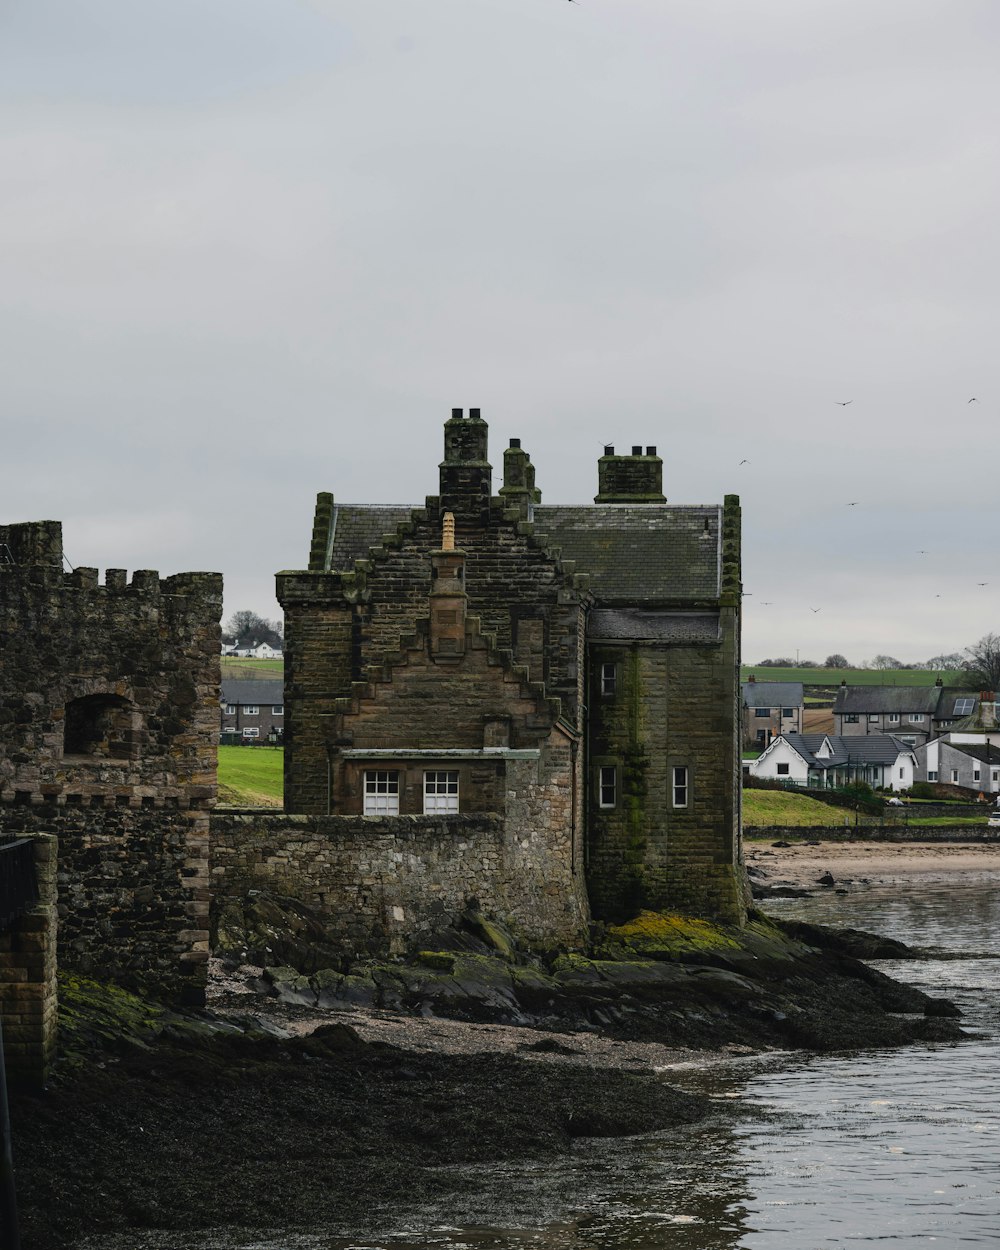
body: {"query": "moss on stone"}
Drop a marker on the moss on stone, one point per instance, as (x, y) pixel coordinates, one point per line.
(668, 934)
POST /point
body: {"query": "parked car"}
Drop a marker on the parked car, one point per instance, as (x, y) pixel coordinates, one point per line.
(994, 821)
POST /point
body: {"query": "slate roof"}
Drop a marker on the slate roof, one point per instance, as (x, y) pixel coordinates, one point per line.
(975, 750)
(257, 692)
(856, 749)
(634, 553)
(693, 628)
(360, 526)
(638, 553)
(772, 693)
(946, 708)
(872, 699)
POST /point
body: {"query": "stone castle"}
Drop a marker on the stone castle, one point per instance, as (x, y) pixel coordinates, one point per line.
(569, 671)
(533, 707)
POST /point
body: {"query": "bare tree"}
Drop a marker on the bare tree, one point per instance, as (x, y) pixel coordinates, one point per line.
(836, 661)
(983, 661)
(248, 628)
(951, 660)
(882, 662)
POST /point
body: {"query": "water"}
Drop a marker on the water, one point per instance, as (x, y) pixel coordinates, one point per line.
(897, 1148)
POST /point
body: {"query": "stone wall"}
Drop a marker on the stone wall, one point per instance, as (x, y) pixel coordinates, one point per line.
(872, 833)
(109, 712)
(386, 884)
(28, 1002)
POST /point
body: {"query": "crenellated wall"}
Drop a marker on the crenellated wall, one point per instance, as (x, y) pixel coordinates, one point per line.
(109, 697)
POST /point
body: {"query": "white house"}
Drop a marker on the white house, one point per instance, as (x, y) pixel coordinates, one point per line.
(256, 651)
(826, 761)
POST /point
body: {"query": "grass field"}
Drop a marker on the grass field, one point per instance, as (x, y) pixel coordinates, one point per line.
(856, 676)
(251, 776)
(778, 807)
(239, 669)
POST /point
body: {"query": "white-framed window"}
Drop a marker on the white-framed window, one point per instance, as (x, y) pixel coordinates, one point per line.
(278, 709)
(931, 775)
(230, 709)
(679, 775)
(996, 774)
(609, 679)
(251, 709)
(851, 718)
(916, 718)
(781, 770)
(440, 792)
(975, 774)
(908, 739)
(381, 792)
(873, 716)
(251, 731)
(607, 786)
(892, 718)
(954, 776)
(963, 707)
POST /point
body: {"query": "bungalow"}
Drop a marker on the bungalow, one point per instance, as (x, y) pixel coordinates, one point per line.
(826, 761)
(253, 651)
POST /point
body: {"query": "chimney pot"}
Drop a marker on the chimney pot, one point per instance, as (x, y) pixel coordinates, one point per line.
(474, 414)
(650, 451)
(637, 451)
(456, 414)
(515, 442)
(609, 449)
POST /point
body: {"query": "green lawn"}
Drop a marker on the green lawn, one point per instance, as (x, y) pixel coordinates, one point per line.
(779, 807)
(251, 776)
(240, 669)
(828, 677)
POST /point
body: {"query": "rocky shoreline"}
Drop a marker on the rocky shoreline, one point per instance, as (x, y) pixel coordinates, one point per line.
(307, 1098)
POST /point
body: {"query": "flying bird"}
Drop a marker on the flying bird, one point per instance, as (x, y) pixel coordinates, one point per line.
(982, 583)
(842, 403)
(743, 462)
(815, 609)
(766, 603)
(854, 503)
(921, 553)
(973, 400)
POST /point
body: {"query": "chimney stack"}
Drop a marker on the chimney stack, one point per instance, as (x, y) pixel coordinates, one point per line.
(636, 478)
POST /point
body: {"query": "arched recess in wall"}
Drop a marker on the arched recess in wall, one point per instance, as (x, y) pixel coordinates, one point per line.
(101, 726)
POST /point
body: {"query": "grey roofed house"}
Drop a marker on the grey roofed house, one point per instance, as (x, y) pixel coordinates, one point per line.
(867, 700)
(772, 693)
(253, 692)
(872, 749)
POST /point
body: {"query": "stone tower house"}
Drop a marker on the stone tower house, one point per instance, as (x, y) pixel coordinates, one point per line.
(571, 669)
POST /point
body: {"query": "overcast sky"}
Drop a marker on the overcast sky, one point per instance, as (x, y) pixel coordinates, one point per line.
(253, 249)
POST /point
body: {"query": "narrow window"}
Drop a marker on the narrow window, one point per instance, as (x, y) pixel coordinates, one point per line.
(607, 784)
(975, 774)
(954, 776)
(609, 679)
(680, 775)
(440, 793)
(381, 793)
(996, 774)
(782, 770)
(902, 773)
(230, 709)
